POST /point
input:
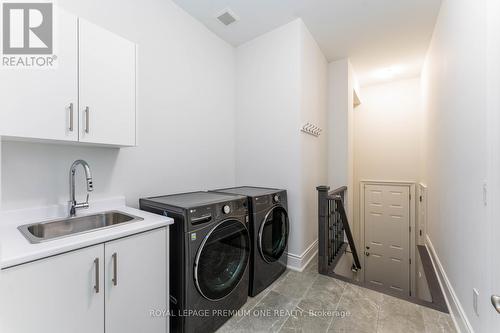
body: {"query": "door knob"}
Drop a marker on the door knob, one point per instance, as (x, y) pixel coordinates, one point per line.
(495, 300)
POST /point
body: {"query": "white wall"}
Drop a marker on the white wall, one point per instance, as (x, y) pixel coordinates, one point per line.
(267, 117)
(314, 84)
(454, 97)
(338, 109)
(340, 157)
(387, 132)
(387, 136)
(352, 85)
(186, 114)
(281, 81)
(0, 175)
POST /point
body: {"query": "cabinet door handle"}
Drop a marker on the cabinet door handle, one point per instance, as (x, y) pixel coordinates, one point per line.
(71, 117)
(96, 286)
(87, 119)
(115, 269)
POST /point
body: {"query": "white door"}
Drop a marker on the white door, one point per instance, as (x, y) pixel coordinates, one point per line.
(492, 298)
(107, 86)
(492, 256)
(136, 283)
(37, 103)
(56, 295)
(387, 237)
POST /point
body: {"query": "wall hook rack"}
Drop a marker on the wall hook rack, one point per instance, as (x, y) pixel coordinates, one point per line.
(311, 129)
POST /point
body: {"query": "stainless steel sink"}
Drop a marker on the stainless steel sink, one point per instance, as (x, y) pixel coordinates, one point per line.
(60, 228)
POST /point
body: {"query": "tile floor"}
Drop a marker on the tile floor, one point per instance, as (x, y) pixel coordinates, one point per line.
(309, 302)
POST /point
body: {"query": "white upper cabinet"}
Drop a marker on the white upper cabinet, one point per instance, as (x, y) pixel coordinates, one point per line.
(37, 103)
(88, 96)
(107, 87)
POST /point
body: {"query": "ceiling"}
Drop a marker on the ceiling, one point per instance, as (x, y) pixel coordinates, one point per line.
(374, 34)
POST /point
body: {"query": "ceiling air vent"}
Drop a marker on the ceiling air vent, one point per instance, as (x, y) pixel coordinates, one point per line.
(227, 17)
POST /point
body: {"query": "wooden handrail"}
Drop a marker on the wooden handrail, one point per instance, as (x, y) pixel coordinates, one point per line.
(332, 222)
(338, 191)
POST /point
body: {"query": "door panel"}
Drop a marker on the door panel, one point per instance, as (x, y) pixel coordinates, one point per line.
(35, 103)
(138, 264)
(54, 295)
(387, 237)
(107, 86)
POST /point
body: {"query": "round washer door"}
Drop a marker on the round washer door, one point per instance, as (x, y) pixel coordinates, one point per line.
(273, 234)
(222, 259)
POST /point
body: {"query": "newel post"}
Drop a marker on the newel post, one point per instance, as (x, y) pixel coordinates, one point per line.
(323, 229)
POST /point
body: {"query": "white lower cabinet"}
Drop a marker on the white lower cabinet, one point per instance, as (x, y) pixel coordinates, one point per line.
(136, 275)
(106, 288)
(55, 295)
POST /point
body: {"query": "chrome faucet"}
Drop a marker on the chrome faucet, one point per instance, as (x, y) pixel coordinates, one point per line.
(73, 205)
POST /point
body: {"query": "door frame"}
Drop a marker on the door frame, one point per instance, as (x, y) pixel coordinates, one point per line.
(412, 234)
(421, 212)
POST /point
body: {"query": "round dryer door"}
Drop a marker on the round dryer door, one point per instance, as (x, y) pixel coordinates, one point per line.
(273, 234)
(222, 259)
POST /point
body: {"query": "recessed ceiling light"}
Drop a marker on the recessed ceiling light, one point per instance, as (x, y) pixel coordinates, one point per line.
(388, 72)
(227, 17)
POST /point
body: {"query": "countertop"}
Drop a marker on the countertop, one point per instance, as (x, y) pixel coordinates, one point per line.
(15, 249)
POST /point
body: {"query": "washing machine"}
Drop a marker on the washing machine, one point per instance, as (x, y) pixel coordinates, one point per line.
(209, 256)
(269, 229)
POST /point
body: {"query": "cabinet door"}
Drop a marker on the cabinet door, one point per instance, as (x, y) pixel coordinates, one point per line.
(35, 103)
(55, 294)
(107, 86)
(136, 283)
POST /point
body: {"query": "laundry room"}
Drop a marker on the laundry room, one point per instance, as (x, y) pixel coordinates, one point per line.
(234, 166)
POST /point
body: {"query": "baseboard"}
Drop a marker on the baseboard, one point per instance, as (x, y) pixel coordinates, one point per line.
(457, 312)
(299, 262)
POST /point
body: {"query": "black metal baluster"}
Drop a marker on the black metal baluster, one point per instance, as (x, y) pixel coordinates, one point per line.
(332, 226)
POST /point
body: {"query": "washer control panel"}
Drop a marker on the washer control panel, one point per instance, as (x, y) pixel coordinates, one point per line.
(230, 209)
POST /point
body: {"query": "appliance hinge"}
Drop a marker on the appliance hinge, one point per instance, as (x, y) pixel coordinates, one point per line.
(421, 198)
(410, 260)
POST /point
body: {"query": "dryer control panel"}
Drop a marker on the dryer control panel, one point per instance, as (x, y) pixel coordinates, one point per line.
(263, 202)
(218, 211)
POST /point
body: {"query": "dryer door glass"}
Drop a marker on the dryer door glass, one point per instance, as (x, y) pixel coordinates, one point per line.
(222, 259)
(273, 234)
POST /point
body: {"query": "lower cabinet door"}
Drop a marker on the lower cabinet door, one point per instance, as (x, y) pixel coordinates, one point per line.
(60, 294)
(136, 283)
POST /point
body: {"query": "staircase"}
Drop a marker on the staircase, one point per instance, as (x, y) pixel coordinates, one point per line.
(333, 231)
